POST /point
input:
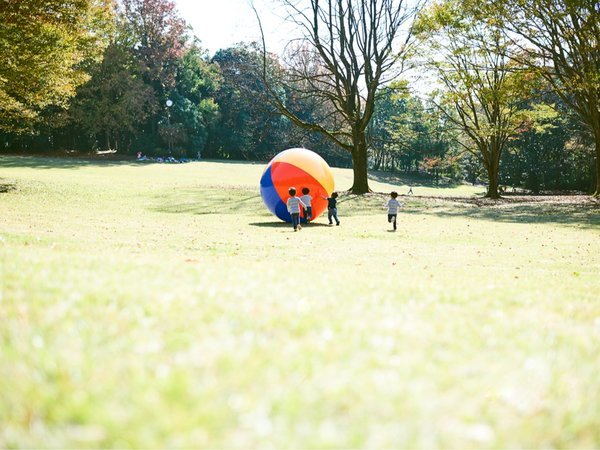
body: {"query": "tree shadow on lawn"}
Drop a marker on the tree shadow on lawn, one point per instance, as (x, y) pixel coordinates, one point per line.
(73, 162)
(411, 179)
(208, 201)
(44, 162)
(6, 186)
(581, 211)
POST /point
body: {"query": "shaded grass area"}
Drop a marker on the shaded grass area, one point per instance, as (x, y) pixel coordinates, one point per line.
(6, 186)
(575, 215)
(580, 211)
(413, 179)
(162, 306)
(211, 200)
(60, 163)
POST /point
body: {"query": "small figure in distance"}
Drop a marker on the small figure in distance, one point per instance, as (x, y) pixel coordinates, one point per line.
(392, 206)
(307, 199)
(410, 191)
(293, 207)
(332, 208)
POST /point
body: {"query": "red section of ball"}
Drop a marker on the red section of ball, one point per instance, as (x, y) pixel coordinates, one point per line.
(286, 175)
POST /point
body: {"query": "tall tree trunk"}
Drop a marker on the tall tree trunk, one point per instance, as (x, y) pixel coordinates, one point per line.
(597, 139)
(493, 172)
(493, 169)
(377, 160)
(359, 166)
(492, 191)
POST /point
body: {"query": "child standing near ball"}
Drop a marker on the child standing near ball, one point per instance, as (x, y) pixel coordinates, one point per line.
(392, 205)
(307, 200)
(332, 208)
(293, 207)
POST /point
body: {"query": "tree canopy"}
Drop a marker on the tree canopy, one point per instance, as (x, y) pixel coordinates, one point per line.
(349, 48)
(47, 48)
(484, 90)
(560, 39)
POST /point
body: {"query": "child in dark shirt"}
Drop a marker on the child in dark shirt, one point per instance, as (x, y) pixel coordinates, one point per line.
(332, 208)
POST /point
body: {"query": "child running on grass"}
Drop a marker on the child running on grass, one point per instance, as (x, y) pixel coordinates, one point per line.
(392, 206)
(332, 208)
(293, 207)
(307, 199)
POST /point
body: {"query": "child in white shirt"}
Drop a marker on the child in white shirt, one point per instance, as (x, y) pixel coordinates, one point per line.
(293, 207)
(392, 206)
(307, 199)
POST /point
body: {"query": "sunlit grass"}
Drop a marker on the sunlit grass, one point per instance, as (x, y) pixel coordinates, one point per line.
(163, 306)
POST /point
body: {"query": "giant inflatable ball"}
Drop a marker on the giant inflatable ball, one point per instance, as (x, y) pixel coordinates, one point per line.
(300, 168)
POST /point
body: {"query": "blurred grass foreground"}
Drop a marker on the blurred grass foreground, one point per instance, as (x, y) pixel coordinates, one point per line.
(149, 305)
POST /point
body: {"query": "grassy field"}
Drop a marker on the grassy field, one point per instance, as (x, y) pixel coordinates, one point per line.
(148, 305)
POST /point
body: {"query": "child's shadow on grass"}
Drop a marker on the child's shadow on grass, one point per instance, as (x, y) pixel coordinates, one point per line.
(287, 225)
(269, 224)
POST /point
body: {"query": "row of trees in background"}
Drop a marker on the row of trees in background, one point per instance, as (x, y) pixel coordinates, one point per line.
(506, 69)
(149, 88)
(513, 98)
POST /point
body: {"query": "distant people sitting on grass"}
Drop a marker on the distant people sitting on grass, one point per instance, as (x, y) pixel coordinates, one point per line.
(332, 208)
(293, 207)
(392, 205)
(160, 159)
(307, 199)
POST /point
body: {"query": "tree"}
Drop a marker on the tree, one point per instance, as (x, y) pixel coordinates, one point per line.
(112, 104)
(157, 37)
(349, 48)
(550, 151)
(194, 108)
(248, 127)
(45, 45)
(391, 113)
(483, 89)
(560, 39)
(403, 131)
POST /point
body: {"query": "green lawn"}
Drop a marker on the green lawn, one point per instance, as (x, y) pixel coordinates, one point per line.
(149, 305)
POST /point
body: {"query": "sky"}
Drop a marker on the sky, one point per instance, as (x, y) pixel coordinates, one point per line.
(223, 23)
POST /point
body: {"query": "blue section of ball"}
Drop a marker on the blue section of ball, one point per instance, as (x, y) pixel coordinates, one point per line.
(271, 197)
(282, 212)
